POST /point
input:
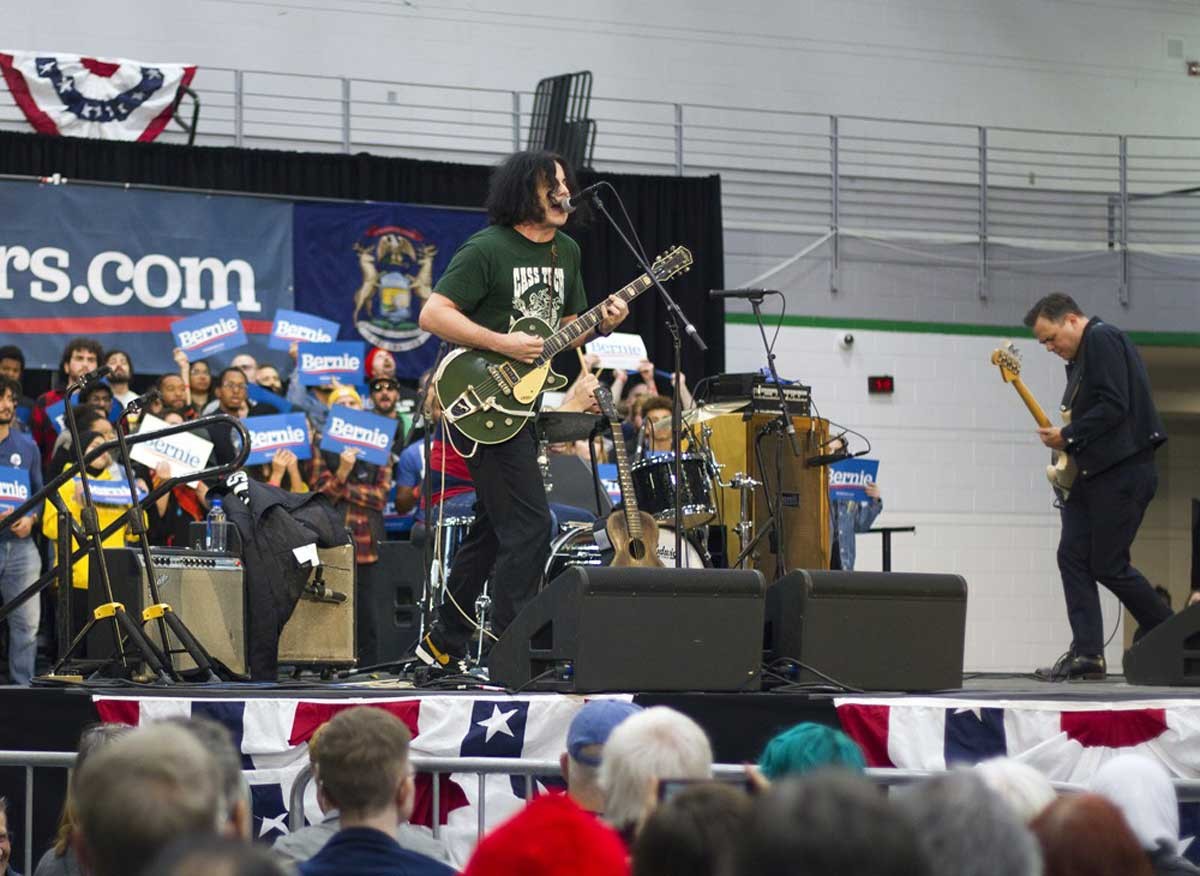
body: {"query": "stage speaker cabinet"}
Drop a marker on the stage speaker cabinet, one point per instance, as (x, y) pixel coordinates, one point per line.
(207, 591)
(1169, 654)
(629, 629)
(870, 630)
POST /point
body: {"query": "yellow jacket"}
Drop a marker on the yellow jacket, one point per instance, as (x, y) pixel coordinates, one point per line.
(106, 513)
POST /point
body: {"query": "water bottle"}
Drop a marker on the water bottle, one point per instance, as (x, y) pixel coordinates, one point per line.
(214, 530)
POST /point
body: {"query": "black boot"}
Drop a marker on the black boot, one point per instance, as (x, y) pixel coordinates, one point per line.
(1074, 667)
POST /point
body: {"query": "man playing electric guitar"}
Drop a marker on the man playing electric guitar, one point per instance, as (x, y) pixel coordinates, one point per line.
(521, 265)
(1113, 433)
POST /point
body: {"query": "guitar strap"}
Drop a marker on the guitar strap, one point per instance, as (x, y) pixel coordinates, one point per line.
(1075, 378)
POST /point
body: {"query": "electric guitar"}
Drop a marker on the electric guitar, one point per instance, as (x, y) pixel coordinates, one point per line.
(1062, 469)
(633, 533)
(489, 397)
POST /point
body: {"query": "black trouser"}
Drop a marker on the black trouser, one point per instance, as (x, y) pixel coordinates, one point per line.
(1099, 523)
(508, 543)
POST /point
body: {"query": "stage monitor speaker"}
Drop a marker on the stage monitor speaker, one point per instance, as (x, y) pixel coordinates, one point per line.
(870, 630)
(1169, 654)
(207, 591)
(629, 629)
(390, 604)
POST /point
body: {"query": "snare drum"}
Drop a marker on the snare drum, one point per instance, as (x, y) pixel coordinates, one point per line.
(654, 486)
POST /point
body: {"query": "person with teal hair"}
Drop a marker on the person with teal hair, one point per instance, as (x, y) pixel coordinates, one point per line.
(807, 747)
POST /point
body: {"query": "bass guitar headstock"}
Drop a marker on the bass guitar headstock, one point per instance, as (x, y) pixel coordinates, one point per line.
(607, 406)
(1008, 360)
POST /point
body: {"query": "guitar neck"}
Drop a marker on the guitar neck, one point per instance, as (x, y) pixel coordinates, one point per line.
(633, 519)
(577, 328)
(1031, 403)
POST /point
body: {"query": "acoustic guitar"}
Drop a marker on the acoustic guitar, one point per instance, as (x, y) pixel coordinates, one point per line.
(1062, 470)
(489, 397)
(633, 533)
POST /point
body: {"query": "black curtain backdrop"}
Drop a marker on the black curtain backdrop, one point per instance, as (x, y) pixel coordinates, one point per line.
(665, 211)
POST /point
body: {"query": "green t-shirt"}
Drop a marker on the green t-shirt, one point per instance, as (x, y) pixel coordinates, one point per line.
(499, 276)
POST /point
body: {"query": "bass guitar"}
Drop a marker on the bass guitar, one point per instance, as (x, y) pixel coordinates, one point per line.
(633, 533)
(1062, 469)
(489, 397)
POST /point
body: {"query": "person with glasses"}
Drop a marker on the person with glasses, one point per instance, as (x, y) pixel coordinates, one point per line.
(230, 391)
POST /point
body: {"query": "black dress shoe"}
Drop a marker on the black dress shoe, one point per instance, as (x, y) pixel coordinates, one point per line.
(1074, 667)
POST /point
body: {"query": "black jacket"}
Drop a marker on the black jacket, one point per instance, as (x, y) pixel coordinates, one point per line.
(271, 523)
(1108, 393)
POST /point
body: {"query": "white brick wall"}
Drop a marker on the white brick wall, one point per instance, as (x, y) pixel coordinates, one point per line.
(960, 461)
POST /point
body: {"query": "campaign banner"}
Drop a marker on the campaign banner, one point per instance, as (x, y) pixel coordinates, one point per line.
(185, 452)
(14, 489)
(341, 361)
(112, 491)
(57, 415)
(260, 395)
(122, 265)
(618, 350)
(848, 479)
(371, 267)
(207, 333)
(293, 327)
(370, 434)
(277, 432)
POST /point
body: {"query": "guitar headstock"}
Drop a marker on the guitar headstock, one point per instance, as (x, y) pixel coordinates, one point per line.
(607, 406)
(1008, 360)
(676, 260)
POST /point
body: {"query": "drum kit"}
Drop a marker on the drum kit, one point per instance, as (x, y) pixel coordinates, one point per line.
(656, 489)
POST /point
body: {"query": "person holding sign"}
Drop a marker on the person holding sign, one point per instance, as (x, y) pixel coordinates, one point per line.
(21, 467)
(71, 493)
(848, 516)
(521, 265)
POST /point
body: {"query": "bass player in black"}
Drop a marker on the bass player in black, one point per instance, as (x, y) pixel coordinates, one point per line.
(521, 265)
(1113, 433)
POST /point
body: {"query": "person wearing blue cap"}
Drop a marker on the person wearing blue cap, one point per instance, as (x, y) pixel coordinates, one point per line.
(586, 736)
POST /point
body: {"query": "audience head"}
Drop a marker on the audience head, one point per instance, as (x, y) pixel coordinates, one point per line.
(967, 829)
(694, 833)
(1086, 835)
(5, 836)
(267, 376)
(829, 822)
(246, 364)
(80, 356)
(385, 394)
(141, 791)
(380, 363)
(121, 364)
(12, 363)
(89, 441)
(1142, 789)
(215, 856)
(549, 837)
(199, 376)
(809, 746)
(586, 735)
(361, 764)
(1026, 790)
(345, 395)
(99, 396)
(10, 390)
(218, 742)
(92, 739)
(657, 743)
(172, 390)
(231, 390)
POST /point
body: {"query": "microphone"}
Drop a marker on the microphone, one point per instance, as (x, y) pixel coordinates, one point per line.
(749, 294)
(571, 202)
(826, 459)
(142, 401)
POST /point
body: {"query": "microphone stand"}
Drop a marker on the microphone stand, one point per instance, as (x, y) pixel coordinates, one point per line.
(677, 318)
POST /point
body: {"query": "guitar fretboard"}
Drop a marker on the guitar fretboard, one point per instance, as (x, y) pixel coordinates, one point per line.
(577, 328)
(633, 520)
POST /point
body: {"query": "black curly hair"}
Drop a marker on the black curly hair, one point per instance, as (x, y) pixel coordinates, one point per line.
(515, 187)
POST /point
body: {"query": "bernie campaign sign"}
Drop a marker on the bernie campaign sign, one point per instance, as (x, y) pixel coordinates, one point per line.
(14, 489)
(293, 327)
(112, 491)
(322, 364)
(209, 332)
(270, 434)
(848, 479)
(369, 434)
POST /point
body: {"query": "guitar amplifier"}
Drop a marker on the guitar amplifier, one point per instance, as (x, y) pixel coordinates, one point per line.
(207, 591)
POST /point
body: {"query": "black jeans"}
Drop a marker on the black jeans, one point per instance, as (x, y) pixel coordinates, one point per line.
(508, 543)
(1099, 523)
